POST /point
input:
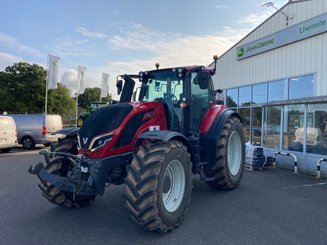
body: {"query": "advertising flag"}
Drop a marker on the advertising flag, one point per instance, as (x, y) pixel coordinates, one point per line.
(80, 79)
(104, 85)
(53, 76)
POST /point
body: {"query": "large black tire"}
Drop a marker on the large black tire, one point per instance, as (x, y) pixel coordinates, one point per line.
(230, 157)
(28, 143)
(60, 166)
(150, 185)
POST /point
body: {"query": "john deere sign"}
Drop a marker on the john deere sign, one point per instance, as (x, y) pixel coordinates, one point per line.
(289, 35)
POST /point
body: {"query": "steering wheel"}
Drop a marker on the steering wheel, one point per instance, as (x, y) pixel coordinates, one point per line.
(169, 96)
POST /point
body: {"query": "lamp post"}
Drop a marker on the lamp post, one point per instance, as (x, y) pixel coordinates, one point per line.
(271, 4)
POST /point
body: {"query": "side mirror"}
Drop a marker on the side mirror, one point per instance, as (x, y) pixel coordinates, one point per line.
(203, 79)
(119, 85)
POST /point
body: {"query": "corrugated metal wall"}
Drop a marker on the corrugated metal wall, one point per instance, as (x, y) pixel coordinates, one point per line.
(300, 58)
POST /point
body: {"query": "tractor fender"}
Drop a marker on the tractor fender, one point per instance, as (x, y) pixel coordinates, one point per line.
(165, 135)
(72, 131)
(210, 138)
(220, 120)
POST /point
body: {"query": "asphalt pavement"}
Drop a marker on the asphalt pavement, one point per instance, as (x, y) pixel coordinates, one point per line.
(270, 207)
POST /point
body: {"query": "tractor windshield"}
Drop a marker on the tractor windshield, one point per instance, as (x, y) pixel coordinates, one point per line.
(162, 84)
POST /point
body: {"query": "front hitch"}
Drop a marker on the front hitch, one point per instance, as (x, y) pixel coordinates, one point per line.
(62, 183)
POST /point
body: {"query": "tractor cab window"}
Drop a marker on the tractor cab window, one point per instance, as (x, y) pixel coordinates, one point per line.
(162, 85)
(165, 86)
(200, 101)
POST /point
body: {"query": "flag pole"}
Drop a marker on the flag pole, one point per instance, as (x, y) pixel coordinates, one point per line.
(77, 88)
(76, 108)
(46, 88)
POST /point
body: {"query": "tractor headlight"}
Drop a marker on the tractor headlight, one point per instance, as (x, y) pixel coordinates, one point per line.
(141, 76)
(180, 72)
(78, 142)
(100, 141)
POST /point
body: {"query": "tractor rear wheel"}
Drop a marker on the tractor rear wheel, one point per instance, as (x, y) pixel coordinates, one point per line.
(230, 156)
(159, 185)
(61, 166)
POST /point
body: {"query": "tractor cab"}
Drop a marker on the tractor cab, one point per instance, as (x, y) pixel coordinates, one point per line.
(186, 92)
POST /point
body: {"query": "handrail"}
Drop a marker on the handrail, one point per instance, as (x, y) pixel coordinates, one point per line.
(318, 166)
(285, 154)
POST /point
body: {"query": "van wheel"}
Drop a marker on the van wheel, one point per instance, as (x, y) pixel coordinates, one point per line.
(28, 143)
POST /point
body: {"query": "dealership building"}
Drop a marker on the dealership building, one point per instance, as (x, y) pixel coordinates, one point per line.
(276, 78)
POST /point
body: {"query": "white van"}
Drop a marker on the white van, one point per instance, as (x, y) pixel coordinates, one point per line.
(8, 133)
(36, 129)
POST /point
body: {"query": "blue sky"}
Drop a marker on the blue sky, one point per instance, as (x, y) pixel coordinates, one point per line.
(124, 36)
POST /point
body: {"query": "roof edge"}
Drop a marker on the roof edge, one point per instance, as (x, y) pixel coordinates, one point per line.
(271, 16)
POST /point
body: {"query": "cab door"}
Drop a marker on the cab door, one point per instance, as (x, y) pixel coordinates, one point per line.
(201, 99)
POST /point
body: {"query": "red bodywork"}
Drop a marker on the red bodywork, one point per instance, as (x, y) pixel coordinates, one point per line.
(210, 116)
(157, 117)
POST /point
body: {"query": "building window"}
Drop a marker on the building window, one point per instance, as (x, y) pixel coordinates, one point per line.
(317, 129)
(245, 96)
(272, 121)
(232, 98)
(277, 90)
(259, 93)
(256, 125)
(245, 115)
(293, 127)
(302, 87)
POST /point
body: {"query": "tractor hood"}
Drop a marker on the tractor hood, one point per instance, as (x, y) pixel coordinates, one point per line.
(103, 120)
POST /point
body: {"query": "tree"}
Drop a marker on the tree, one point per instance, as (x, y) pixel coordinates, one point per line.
(60, 102)
(89, 95)
(230, 102)
(22, 88)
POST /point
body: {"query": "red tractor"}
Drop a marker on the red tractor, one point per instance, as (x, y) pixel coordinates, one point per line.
(154, 145)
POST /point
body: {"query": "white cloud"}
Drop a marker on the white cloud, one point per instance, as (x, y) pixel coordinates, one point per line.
(12, 43)
(90, 34)
(255, 19)
(137, 37)
(221, 6)
(169, 49)
(175, 49)
(67, 46)
(7, 60)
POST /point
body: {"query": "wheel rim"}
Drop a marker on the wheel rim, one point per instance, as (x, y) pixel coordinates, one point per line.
(234, 153)
(173, 186)
(27, 143)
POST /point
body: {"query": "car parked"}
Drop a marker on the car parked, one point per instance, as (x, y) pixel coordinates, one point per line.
(8, 133)
(35, 129)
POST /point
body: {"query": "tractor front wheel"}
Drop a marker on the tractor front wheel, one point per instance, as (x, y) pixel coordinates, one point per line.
(61, 166)
(230, 157)
(159, 185)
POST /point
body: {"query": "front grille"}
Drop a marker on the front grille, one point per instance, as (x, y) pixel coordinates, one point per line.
(103, 120)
